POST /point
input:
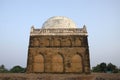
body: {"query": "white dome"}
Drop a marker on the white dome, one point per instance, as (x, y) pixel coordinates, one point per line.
(58, 22)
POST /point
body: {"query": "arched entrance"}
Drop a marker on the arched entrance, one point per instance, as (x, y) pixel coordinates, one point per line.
(57, 63)
(76, 63)
(38, 65)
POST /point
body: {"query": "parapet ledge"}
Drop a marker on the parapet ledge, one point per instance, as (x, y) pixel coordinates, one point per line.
(60, 31)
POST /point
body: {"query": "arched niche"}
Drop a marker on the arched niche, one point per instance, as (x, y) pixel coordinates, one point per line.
(57, 63)
(44, 42)
(76, 63)
(38, 65)
(77, 42)
(36, 42)
(57, 42)
(66, 42)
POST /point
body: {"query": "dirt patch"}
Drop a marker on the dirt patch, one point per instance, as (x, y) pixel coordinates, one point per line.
(23, 76)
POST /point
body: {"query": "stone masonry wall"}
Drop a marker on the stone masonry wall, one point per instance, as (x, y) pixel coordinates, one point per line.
(58, 54)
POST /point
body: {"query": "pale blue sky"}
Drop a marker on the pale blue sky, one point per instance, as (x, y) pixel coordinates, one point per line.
(102, 18)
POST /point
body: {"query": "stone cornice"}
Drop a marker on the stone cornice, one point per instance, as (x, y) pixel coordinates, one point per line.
(73, 31)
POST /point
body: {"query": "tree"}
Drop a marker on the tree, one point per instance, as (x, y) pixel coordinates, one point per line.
(100, 68)
(17, 69)
(96, 69)
(112, 68)
(103, 67)
(3, 69)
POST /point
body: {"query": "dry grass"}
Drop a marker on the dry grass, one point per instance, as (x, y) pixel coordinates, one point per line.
(23, 76)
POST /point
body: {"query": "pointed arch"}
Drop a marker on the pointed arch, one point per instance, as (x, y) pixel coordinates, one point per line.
(57, 42)
(46, 42)
(66, 42)
(38, 65)
(77, 42)
(76, 63)
(36, 42)
(57, 63)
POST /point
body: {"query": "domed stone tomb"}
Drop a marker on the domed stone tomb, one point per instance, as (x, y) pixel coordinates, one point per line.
(58, 47)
